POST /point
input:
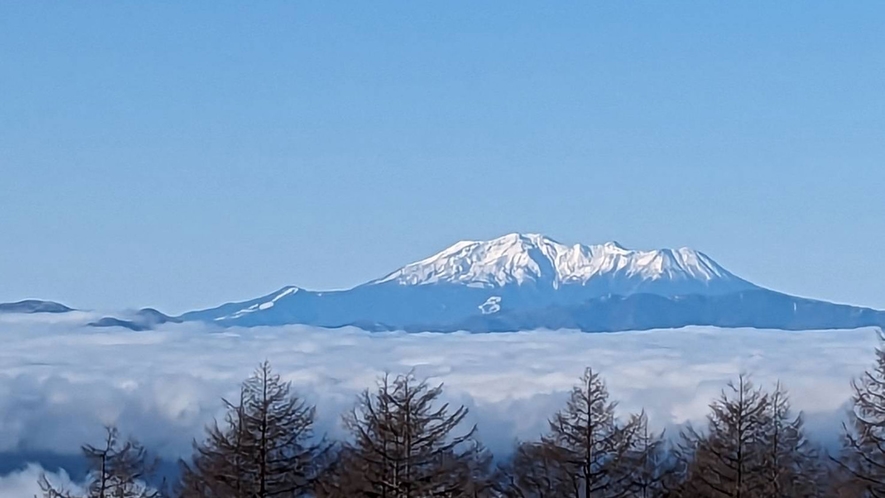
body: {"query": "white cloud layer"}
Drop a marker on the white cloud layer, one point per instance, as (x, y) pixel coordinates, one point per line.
(24, 483)
(59, 381)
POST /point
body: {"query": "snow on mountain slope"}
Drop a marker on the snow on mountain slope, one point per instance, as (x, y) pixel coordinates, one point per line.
(263, 305)
(243, 309)
(532, 258)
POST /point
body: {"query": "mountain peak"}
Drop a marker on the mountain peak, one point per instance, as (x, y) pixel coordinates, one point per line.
(514, 258)
(516, 238)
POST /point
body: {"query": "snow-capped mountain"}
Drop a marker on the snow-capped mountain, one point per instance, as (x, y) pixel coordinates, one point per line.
(529, 281)
(514, 271)
(532, 259)
(518, 282)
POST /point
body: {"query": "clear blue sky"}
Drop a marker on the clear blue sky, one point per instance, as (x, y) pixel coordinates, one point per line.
(181, 154)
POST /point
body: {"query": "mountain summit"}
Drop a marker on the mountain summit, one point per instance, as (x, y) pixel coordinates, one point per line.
(533, 259)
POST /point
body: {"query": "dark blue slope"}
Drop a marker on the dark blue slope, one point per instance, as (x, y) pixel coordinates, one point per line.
(760, 309)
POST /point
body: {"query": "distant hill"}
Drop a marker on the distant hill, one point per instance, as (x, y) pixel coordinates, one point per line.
(34, 306)
(143, 319)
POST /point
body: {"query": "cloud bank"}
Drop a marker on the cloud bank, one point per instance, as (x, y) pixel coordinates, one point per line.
(60, 381)
(25, 482)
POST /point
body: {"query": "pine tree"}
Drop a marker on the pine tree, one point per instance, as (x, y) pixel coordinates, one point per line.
(266, 447)
(116, 470)
(404, 446)
(727, 461)
(863, 452)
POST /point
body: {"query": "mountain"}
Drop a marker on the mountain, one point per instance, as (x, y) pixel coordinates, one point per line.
(143, 319)
(526, 281)
(34, 306)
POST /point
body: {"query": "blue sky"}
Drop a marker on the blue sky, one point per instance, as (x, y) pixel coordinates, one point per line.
(181, 154)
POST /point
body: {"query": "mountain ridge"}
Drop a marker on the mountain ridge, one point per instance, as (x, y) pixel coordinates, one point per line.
(524, 280)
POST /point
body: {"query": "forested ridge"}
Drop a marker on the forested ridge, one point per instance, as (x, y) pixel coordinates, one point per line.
(405, 441)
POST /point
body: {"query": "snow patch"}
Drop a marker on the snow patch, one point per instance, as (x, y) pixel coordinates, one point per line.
(491, 306)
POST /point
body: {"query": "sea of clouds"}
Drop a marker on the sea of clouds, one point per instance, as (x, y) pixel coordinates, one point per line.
(61, 381)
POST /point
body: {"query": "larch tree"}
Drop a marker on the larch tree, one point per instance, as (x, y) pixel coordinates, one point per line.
(791, 464)
(537, 470)
(218, 466)
(404, 445)
(727, 460)
(654, 470)
(117, 469)
(598, 452)
(266, 447)
(476, 469)
(863, 450)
